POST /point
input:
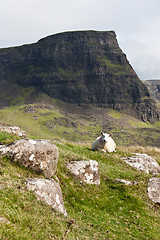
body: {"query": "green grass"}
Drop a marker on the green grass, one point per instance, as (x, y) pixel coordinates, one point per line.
(139, 124)
(115, 114)
(109, 211)
(6, 138)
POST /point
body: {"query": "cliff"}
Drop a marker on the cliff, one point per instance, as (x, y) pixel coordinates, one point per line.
(154, 88)
(83, 68)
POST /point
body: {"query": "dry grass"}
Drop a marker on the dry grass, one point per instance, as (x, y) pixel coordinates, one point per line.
(151, 151)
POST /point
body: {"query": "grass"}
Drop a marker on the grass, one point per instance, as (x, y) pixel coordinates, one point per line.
(115, 114)
(109, 211)
(7, 138)
(139, 124)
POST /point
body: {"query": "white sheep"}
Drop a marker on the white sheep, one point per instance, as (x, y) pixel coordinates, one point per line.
(104, 143)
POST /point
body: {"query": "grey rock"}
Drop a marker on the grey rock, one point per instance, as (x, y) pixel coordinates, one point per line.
(144, 163)
(48, 191)
(87, 171)
(39, 155)
(3, 220)
(13, 130)
(126, 182)
(154, 190)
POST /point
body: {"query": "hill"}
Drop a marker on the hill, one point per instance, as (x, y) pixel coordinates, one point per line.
(112, 210)
(58, 120)
(83, 68)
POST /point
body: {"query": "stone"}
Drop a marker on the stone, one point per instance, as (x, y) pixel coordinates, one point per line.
(126, 182)
(144, 163)
(3, 220)
(87, 171)
(154, 190)
(38, 155)
(48, 191)
(13, 130)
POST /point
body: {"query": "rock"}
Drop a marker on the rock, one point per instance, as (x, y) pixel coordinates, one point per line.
(3, 220)
(126, 182)
(86, 171)
(144, 163)
(48, 191)
(13, 130)
(4, 150)
(39, 155)
(154, 190)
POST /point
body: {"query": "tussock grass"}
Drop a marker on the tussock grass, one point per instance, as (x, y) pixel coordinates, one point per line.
(151, 151)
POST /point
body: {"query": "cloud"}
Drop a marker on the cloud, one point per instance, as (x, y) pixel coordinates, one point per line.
(136, 24)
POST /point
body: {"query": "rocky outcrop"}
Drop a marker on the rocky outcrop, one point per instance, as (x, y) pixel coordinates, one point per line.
(38, 155)
(86, 171)
(48, 191)
(154, 190)
(13, 130)
(144, 163)
(83, 67)
(154, 88)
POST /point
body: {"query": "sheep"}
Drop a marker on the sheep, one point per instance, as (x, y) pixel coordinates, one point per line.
(104, 143)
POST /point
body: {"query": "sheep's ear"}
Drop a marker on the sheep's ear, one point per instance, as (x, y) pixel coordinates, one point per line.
(101, 133)
(111, 135)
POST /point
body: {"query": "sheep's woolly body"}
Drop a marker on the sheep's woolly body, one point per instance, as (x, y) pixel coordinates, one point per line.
(110, 146)
(100, 145)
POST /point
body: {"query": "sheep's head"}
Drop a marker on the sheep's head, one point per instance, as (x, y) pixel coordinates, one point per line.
(105, 137)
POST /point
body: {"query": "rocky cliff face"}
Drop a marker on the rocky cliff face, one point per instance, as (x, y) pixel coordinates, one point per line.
(154, 88)
(86, 67)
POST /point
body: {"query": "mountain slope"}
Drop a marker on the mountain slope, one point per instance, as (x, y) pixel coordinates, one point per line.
(82, 68)
(109, 211)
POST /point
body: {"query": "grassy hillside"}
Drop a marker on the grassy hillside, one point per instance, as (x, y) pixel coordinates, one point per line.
(109, 211)
(57, 121)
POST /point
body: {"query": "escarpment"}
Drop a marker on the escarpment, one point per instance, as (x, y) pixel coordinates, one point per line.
(83, 67)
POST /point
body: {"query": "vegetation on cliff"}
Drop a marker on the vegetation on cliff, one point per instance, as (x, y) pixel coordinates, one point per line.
(86, 67)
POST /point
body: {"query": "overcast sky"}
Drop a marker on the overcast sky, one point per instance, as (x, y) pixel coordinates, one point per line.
(136, 23)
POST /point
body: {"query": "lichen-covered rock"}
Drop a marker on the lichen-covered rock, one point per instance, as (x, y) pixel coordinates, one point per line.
(13, 130)
(144, 163)
(154, 190)
(39, 155)
(48, 191)
(86, 171)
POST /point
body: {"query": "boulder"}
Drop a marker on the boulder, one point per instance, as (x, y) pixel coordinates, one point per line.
(48, 191)
(87, 171)
(144, 163)
(38, 155)
(13, 130)
(154, 190)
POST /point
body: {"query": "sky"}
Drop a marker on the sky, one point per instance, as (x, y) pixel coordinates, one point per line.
(136, 23)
